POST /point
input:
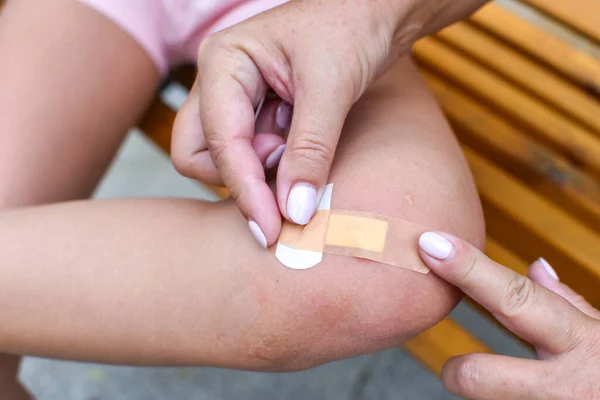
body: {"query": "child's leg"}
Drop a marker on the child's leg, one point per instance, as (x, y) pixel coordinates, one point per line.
(182, 281)
(72, 84)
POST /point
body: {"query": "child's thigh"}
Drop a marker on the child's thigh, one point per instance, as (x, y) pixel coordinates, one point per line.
(72, 84)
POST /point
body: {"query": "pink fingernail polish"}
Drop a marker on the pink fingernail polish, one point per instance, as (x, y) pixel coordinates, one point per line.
(283, 116)
(302, 203)
(257, 233)
(549, 270)
(273, 158)
(435, 245)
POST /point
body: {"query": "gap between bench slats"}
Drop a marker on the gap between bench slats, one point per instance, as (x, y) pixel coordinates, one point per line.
(541, 169)
(526, 73)
(580, 15)
(544, 123)
(546, 48)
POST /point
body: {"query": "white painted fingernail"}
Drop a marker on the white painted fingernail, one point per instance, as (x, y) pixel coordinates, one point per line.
(273, 158)
(283, 116)
(302, 202)
(548, 268)
(257, 233)
(435, 245)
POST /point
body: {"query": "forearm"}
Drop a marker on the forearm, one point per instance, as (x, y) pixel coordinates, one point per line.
(415, 19)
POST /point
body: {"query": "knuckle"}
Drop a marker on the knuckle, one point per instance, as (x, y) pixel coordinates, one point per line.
(223, 41)
(206, 47)
(213, 48)
(464, 375)
(595, 340)
(584, 390)
(311, 151)
(584, 335)
(578, 301)
(217, 149)
(517, 294)
(469, 267)
(209, 44)
(182, 165)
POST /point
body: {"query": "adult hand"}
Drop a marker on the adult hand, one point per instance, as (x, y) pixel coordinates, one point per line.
(319, 57)
(562, 326)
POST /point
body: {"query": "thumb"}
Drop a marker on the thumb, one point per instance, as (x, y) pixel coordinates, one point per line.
(317, 122)
(541, 272)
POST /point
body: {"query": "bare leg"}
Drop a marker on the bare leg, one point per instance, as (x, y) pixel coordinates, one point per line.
(72, 84)
(182, 282)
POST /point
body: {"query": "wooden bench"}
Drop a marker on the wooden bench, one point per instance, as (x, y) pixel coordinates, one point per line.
(525, 104)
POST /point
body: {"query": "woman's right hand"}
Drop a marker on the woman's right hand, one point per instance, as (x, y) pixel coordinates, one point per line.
(562, 326)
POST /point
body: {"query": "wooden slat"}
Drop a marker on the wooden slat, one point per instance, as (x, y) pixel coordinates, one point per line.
(526, 73)
(530, 226)
(545, 47)
(438, 344)
(580, 15)
(565, 136)
(157, 125)
(184, 75)
(541, 169)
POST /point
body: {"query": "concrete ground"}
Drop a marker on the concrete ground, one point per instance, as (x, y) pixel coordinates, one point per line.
(141, 169)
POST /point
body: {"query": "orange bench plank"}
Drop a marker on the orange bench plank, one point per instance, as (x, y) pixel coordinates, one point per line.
(541, 169)
(580, 15)
(438, 344)
(530, 226)
(529, 75)
(541, 45)
(184, 75)
(565, 136)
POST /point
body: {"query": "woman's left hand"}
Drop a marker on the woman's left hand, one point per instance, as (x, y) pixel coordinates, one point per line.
(562, 326)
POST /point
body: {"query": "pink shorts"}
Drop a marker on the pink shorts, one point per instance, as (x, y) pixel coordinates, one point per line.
(171, 30)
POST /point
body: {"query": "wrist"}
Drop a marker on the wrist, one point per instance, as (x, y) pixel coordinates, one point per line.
(415, 19)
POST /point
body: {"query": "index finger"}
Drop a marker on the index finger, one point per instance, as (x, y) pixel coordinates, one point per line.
(529, 310)
(227, 114)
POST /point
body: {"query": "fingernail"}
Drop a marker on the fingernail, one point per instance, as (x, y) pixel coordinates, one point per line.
(283, 116)
(257, 233)
(548, 269)
(273, 158)
(435, 245)
(302, 202)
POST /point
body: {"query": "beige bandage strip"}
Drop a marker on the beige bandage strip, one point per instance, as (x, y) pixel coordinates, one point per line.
(388, 240)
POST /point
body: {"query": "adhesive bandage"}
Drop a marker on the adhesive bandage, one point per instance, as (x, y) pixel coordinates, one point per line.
(350, 233)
